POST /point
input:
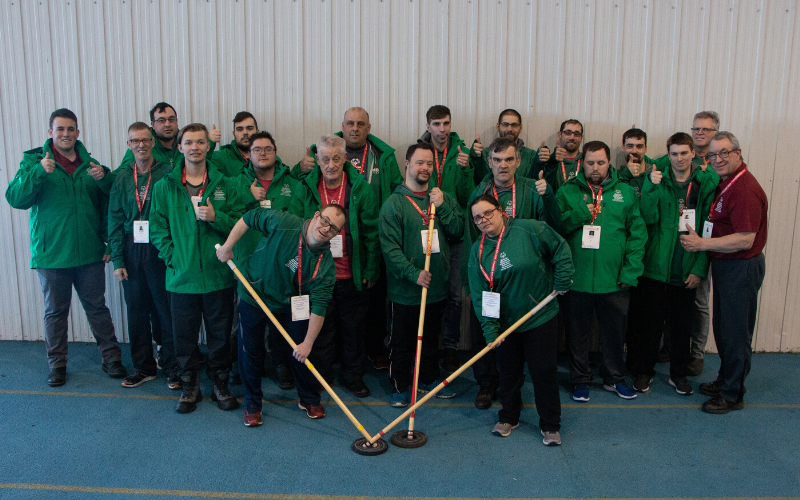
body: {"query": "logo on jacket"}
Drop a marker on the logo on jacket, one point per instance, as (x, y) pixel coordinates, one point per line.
(219, 194)
(505, 263)
(618, 196)
(286, 190)
(292, 264)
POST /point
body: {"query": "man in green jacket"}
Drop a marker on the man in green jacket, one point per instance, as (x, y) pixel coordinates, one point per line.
(136, 262)
(293, 273)
(637, 164)
(194, 208)
(671, 202)
(231, 159)
(565, 162)
(403, 230)
(606, 233)
(60, 183)
(509, 126)
(355, 252)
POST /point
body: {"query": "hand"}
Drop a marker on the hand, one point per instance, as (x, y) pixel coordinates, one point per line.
(541, 184)
(692, 242)
(656, 176)
(623, 285)
(561, 292)
(496, 342)
(121, 274)
(97, 172)
(259, 193)
(692, 281)
(463, 158)
(477, 147)
(215, 134)
(634, 166)
(107, 258)
(48, 164)
(561, 153)
(207, 213)
(224, 253)
(302, 351)
(544, 153)
(437, 197)
(368, 284)
(424, 279)
(307, 163)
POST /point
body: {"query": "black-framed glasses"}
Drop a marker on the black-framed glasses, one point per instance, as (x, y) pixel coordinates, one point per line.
(510, 125)
(171, 119)
(485, 216)
(703, 129)
(572, 133)
(136, 142)
(265, 151)
(326, 222)
(723, 155)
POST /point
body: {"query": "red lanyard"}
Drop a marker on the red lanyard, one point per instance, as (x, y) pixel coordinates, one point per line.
(438, 169)
(596, 199)
(717, 199)
(202, 186)
(364, 158)
(140, 202)
(513, 198)
(339, 200)
(300, 267)
(686, 201)
(490, 277)
(425, 218)
(564, 170)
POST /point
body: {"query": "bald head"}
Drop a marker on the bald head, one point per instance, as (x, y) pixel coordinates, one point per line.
(356, 127)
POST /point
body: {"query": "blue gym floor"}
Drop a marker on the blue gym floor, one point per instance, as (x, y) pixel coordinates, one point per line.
(93, 439)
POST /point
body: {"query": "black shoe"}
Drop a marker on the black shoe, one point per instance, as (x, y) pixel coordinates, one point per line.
(663, 355)
(57, 376)
(359, 388)
(721, 406)
(711, 389)
(681, 386)
(641, 383)
(191, 394)
(115, 369)
(695, 367)
(483, 401)
(174, 381)
(285, 378)
(450, 362)
(221, 394)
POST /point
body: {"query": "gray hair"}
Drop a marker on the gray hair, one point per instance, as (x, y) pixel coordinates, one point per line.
(332, 142)
(708, 114)
(719, 136)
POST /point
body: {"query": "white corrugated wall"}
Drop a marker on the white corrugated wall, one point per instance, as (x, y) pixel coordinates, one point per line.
(298, 64)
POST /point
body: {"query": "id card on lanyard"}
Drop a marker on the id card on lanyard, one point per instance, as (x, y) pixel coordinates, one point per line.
(198, 198)
(141, 228)
(301, 307)
(424, 232)
(708, 226)
(490, 305)
(591, 233)
(337, 242)
(686, 216)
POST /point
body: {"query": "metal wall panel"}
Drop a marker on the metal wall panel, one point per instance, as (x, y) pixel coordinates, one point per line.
(297, 65)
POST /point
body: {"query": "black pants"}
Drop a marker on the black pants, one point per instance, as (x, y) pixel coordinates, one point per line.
(651, 302)
(612, 317)
(485, 369)
(539, 348)
(376, 321)
(189, 311)
(735, 287)
(403, 344)
(147, 302)
(344, 324)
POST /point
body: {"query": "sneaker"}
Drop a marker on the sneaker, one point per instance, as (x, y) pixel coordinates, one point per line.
(221, 394)
(695, 367)
(721, 406)
(503, 430)
(137, 379)
(380, 362)
(681, 386)
(483, 401)
(642, 383)
(451, 363)
(551, 438)
(285, 378)
(445, 393)
(622, 390)
(252, 419)
(57, 376)
(191, 394)
(581, 392)
(115, 369)
(359, 389)
(313, 411)
(174, 381)
(401, 399)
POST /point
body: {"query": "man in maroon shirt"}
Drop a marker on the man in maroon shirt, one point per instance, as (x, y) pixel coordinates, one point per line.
(734, 236)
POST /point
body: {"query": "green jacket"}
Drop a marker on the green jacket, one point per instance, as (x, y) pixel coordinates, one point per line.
(272, 269)
(458, 182)
(553, 172)
(534, 260)
(384, 181)
(622, 237)
(229, 161)
(660, 212)
(123, 209)
(401, 241)
(69, 213)
(527, 165)
(362, 242)
(625, 175)
(186, 244)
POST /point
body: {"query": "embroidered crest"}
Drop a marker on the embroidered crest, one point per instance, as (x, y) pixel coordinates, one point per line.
(292, 264)
(618, 196)
(219, 194)
(505, 262)
(286, 190)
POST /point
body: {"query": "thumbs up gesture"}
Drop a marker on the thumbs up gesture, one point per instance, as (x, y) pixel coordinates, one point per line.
(544, 153)
(259, 193)
(307, 163)
(656, 176)
(541, 184)
(463, 158)
(634, 164)
(561, 153)
(206, 212)
(215, 134)
(692, 242)
(48, 164)
(97, 172)
(477, 147)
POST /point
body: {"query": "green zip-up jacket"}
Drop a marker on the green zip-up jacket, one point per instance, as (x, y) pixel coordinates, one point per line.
(272, 269)
(401, 241)
(553, 173)
(534, 260)
(362, 242)
(458, 182)
(123, 208)
(69, 213)
(661, 211)
(229, 161)
(622, 237)
(625, 175)
(169, 156)
(384, 181)
(527, 166)
(186, 244)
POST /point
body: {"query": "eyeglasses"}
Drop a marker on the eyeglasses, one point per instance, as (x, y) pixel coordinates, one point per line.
(326, 222)
(171, 119)
(262, 151)
(136, 142)
(485, 216)
(510, 125)
(722, 155)
(572, 133)
(703, 129)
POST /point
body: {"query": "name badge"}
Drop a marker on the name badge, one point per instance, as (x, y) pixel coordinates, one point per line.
(265, 204)
(196, 203)
(141, 231)
(685, 220)
(490, 307)
(591, 237)
(707, 228)
(301, 310)
(434, 241)
(337, 244)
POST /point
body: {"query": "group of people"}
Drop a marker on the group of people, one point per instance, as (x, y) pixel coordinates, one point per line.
(335, 247)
